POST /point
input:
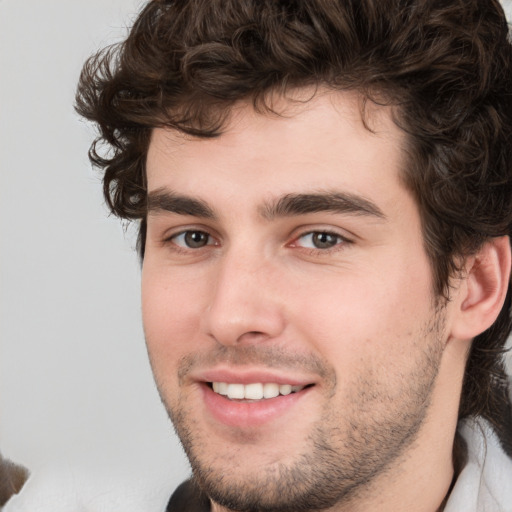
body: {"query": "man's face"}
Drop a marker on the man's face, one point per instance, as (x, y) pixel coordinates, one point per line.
(285, 257)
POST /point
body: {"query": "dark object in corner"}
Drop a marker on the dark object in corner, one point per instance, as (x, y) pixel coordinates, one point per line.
(12, 478)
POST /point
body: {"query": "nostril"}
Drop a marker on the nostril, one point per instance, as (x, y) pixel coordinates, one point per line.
(252, 337)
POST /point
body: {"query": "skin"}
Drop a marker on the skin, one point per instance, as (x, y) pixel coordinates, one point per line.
(356, 317)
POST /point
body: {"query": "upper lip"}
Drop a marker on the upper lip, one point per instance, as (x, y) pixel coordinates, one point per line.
(249, 376)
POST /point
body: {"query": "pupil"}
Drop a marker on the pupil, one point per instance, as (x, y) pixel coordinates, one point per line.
(196, 239)
(324, 240)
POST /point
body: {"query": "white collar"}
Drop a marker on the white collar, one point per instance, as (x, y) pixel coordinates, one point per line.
(485, 482)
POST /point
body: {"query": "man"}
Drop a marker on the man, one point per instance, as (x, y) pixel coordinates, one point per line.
(324, 192)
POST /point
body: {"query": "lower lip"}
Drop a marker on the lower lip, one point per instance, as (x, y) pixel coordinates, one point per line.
(249, 414)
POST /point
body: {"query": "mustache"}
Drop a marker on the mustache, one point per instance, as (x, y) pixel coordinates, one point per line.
(267, 356)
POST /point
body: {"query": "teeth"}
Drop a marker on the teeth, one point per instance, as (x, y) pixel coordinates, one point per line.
(270, 390)
(253, 391)
(285, 389)
(222, 388)
(236, 391)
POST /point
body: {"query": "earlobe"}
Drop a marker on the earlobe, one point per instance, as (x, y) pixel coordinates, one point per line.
(483, 288)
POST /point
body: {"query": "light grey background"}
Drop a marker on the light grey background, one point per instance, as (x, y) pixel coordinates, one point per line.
(77, 397)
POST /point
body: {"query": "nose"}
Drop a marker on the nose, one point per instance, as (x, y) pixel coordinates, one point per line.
(244, 307)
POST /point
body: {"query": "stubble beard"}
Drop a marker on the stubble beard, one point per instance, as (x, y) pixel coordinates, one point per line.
(344, 453)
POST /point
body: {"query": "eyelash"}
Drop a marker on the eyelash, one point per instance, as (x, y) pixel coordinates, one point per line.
(340, 241)
(179, 248)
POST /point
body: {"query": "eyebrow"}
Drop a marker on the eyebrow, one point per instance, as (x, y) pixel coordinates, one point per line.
(167, 201)
(288, 205)
(333, 202)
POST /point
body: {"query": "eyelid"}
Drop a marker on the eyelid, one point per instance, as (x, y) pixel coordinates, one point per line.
(184, 234)
(343, 239)
(169, 232)
(322, 228)
(169, 236)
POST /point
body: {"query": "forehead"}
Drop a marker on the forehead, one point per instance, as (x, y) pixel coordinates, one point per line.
(310, 142)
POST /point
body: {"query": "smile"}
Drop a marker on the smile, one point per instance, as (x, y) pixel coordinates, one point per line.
(253, 391)
(251, 399)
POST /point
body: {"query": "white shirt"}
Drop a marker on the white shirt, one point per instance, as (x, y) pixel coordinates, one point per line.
(485, 482)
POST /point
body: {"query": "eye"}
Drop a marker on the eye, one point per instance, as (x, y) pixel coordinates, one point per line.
(319, 240)
(192, 239)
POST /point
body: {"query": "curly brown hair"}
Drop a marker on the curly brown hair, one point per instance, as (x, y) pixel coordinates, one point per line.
(444, 65)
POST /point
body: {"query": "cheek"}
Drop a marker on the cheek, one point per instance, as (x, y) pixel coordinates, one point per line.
(171, 314)
(366, 316)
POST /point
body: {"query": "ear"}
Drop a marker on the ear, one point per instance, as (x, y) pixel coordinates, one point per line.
(483, 289)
